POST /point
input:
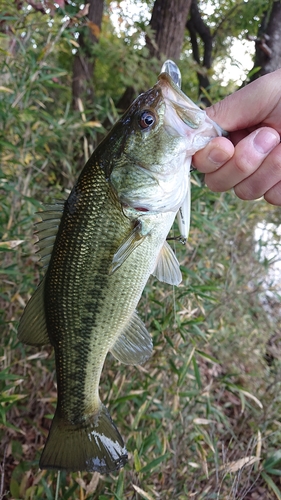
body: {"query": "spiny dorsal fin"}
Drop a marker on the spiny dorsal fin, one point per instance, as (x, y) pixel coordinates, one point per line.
(47, 229)
(167, 267)
(134, 346)
(33, 328)
(127, 247)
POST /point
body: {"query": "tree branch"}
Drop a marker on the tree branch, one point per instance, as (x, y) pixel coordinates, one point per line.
(196, 26)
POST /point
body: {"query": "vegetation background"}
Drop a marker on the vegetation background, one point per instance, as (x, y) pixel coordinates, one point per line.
(201, 419)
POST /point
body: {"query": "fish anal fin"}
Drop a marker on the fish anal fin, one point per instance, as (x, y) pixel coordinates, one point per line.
(134, 346)
(32, 327)
(93, 445)
(167, 267)
(127, 246)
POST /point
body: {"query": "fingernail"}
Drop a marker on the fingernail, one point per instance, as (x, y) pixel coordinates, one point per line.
(218, 156)
(265, 141)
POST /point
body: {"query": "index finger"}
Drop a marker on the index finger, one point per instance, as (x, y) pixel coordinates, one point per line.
(257, 103)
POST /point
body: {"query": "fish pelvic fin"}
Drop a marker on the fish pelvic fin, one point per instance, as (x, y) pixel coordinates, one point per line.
(167, 267)
(93, 445)
(32, 327)
(134, 346)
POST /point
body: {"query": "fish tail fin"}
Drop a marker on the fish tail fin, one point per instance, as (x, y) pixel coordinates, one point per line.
(93, 445)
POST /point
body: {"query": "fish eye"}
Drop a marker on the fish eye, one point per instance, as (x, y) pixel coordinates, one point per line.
(147, 119)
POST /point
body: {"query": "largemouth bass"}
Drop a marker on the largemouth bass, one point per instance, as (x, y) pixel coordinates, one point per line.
(100, 247)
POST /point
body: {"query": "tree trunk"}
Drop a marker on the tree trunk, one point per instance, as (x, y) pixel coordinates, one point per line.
(83, 65)
(268, 42)
(167, 22)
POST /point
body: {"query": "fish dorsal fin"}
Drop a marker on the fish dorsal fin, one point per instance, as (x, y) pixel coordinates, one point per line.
(32, 327)
(134, 346)
(47, 229)
(127, 246)
(167, 267)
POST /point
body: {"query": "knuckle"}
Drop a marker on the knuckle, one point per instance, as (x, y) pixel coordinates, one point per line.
(217, 111)
(213, 183)
(273, 195)
(275, 157)
(244, 164)
(244, 192)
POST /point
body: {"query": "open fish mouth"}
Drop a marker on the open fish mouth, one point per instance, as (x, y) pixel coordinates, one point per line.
(188, 112)
(184, 118)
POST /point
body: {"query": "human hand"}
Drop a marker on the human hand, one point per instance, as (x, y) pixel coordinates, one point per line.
(250, 158)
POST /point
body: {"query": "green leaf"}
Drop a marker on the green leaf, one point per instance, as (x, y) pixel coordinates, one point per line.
(149, 467)
(137, 462)
(274, 472)
(272, 461)
(14, 488)
(47, 490)
(271, 485)
(120, 486)
(197, 372)
(208, 357)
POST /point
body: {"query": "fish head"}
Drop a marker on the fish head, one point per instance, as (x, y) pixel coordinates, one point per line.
(152, 146)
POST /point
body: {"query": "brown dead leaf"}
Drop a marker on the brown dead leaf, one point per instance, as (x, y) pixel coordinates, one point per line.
(9, 245)
(92, 486)
(83, 12)
(239, 464)
(95, 29)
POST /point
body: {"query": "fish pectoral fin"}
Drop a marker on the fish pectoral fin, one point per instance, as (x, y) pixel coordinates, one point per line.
(32, 327)
(92, 445)
(127, 246)
(167, 267)
(134, 346)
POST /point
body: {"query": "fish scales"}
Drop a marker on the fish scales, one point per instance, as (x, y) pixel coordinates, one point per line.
(105, 301)
(100, 248)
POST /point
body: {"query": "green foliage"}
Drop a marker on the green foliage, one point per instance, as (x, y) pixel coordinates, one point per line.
(192, 415)
(126, 60)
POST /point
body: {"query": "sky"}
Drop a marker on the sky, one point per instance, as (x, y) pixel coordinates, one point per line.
(239, 63)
